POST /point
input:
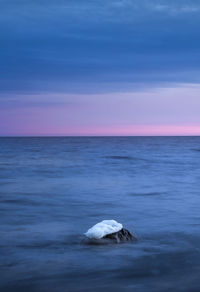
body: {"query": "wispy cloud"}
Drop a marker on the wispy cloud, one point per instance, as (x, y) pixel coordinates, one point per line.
(175, 9)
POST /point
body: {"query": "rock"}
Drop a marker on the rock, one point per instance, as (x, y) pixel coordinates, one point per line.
(121, 236)
(108, 231)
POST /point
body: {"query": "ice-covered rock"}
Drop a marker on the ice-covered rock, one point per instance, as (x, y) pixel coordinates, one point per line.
(108, 231)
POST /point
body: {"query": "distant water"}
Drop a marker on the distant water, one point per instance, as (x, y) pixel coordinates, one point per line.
(53, 189)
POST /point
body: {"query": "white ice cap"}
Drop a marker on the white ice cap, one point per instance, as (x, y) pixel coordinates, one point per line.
(103, 228)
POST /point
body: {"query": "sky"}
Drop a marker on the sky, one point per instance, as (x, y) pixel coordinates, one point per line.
(99, 67)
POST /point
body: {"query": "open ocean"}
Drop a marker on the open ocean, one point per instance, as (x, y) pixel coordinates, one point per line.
(53, 189)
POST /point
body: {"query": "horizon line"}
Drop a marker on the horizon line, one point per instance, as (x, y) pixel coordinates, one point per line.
(91, 136)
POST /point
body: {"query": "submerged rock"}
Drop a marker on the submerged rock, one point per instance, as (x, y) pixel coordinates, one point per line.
(108, 231)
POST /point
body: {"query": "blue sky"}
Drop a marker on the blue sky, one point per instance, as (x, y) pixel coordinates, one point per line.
(94, 48)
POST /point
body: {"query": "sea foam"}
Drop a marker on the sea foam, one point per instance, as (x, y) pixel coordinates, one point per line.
(103, 228)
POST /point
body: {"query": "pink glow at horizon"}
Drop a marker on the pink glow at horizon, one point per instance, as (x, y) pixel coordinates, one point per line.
(140, 130)
(144, 130)
(161, 111)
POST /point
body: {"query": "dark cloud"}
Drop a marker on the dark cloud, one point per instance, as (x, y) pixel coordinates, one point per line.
(95, 46)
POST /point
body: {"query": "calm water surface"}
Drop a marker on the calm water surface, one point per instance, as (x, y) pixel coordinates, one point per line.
(53, 189)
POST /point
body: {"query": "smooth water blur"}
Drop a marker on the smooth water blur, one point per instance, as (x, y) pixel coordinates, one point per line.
(53, 189)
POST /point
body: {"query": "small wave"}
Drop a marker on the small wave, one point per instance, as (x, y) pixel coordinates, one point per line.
(119, 157)
(52, 244)
(2, 183)
(20, 202)
(146, 194)
(45, 244)
(197, 150)
(126, 158)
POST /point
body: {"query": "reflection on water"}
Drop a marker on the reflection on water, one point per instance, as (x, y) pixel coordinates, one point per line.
(53, 189)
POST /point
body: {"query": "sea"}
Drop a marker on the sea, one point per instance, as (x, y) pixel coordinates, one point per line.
(53, 189)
